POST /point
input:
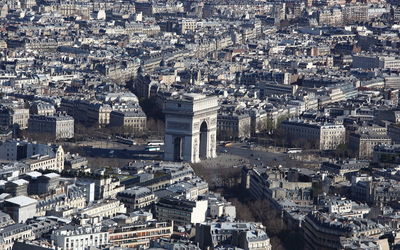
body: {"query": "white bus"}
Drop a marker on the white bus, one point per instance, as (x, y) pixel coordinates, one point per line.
(294, 150)
(155, 143)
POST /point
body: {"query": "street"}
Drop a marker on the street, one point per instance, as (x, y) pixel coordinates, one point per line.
(253, 156)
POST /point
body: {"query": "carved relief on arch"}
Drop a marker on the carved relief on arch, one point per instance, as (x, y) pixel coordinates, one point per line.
(213, 121)
(196, 126)
(212, 145)
(195, 145)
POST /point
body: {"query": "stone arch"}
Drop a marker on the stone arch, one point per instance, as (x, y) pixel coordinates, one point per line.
(203, 145)
(190, 117)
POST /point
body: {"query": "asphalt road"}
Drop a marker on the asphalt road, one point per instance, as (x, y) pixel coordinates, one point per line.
(112, 149)
(254, 156)
(136, 153)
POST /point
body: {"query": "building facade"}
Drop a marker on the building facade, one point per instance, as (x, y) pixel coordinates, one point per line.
(181, 211)
(320, 136)
(136, 198)
(57, 126)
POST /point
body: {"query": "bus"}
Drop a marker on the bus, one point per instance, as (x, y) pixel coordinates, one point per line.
(127, 141)
(155, 143)
(152, 149)
(294, 150)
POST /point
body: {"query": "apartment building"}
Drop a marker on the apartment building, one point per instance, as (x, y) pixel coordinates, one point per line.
(58, 126)
(136, 197)
(16, 187)
(348, 208)
(138, 235)
(105, 187)
(14, 233)
(327, 231)
(181, 211)
(347, 167)
(106, 209)
(242, 235)
(14, 116)
(355, 13)
(330, 17)
(319, 136)
(42, 108)
(64, 205)
(47, 162)
(79, 238)
(362, 144)
(86, 111)
(132, 120)
(16, 150)
(233, 126)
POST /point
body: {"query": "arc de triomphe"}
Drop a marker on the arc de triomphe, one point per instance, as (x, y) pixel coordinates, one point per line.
(190, 127)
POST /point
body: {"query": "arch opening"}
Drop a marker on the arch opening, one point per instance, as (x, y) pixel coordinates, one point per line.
(203, 140)
(178, 149)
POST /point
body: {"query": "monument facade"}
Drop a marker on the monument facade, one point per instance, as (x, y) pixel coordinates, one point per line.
(190, 127)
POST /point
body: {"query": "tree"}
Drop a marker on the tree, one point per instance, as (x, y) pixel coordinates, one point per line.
(280, 136)
(155, 127)
(342, 151)
(245, 130)
(265, 125)
(281, 119)
(38, 137)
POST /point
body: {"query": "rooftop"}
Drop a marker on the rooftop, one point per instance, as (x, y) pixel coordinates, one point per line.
(22, 200)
